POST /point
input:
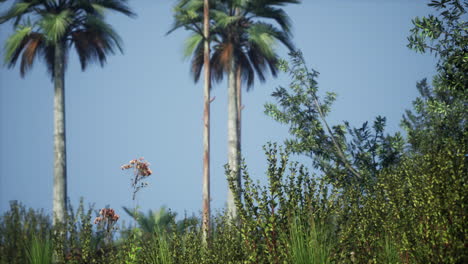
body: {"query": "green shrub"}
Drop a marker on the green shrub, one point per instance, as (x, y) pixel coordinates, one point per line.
(430, 206)
(18, 227)
(416, 211)
(266, 212)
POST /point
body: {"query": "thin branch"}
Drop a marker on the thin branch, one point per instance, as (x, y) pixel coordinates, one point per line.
(322, 116)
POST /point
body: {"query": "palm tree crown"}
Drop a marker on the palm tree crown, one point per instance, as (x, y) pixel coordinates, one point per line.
(43, 24)
(239, 30)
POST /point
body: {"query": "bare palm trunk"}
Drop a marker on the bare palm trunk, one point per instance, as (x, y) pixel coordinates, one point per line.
(233, 144)
(206, 126)
(239, 109)
(60, 161)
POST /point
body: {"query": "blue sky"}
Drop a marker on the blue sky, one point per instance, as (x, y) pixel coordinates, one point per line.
(144, 103)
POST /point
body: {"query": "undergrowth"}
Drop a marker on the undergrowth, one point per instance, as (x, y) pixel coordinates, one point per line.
(295, 218)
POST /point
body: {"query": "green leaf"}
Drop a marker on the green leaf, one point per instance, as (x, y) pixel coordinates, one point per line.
(113, 5)
(15, 42)
(55, 25)
(96, 24)
(222, 19)
(16, 10)
(264, 37)
(99, 8)
(191, 44)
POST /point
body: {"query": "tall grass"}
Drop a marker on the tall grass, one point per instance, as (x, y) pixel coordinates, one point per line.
(156, 248)
(390, 253)
(164, 253)
(310, 243)
(40, 251)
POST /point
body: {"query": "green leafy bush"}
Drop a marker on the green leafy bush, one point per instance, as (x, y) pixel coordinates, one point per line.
(18, 227)
(291, 201)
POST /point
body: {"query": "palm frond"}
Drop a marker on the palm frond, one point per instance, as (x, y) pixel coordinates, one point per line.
(188, 14)
(120, 6)
(86, 52)
(274, 2)
(35, 43)
(195, 5)
(217, 66)
(191, 43)
(99, 9)
(51, 4)
(55, 26)
(102, 34)
(131, 213)
(271, 62)
(277, 14)
(262, 36)
(197, 61)
(247, 72)
(15, 44)
(16, 12)
(153, 221)
(257, 60)
(48, 55)
(222, 19)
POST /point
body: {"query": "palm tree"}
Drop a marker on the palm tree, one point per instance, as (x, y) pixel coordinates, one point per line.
(243, 44)
(206, 122)
(161, 221)
(48, 28)
(201, 36)
(153, 222)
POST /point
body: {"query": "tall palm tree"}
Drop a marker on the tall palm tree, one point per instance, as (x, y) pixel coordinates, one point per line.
(243, 44)
(199, 24)
(48, 28)
(206, 121)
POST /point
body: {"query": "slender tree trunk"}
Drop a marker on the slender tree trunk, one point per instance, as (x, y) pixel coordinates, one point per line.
(239, 108)
(233, 131)
(206, 125)
(60, 161)
(239, 118)
(233, 144)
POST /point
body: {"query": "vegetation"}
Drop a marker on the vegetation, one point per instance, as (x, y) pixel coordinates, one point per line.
(370, 197)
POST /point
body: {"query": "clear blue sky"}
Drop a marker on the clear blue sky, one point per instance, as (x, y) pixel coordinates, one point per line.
(144, 103)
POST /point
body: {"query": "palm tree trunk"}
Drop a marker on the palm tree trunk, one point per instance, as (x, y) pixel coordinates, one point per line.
(60, 161)
(233, 144)
(206, 126)
(239, 109)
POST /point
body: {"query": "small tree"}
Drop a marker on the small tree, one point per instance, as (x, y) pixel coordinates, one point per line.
(439, 113)
(346, 162)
